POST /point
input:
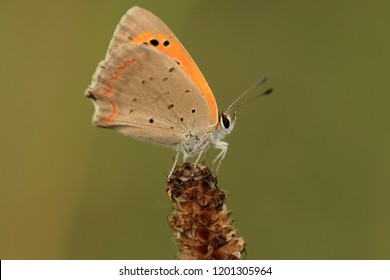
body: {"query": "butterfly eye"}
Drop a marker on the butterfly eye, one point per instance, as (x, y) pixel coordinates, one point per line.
(225, 121)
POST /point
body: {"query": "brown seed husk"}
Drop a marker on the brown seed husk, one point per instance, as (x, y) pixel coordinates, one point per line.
(199, 217)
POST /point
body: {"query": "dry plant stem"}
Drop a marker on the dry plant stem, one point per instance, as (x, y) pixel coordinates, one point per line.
(199, 216)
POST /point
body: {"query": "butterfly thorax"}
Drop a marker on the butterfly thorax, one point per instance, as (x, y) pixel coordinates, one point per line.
(202, 142)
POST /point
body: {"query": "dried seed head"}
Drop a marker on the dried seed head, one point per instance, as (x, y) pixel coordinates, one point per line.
(199, 216)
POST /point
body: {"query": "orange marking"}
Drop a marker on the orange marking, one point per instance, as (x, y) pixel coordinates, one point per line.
(105, 121)
(108, 120)
(108, 91)
(176, 51)
(113, 111)
(116, 75)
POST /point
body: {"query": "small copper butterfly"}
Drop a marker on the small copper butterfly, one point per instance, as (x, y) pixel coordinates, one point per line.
(149, 88)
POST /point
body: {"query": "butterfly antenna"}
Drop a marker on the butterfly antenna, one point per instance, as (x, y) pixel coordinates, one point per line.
(261, 81)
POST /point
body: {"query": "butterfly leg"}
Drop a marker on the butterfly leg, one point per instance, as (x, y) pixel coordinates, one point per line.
(223, 146)
(179, 151)
(198, 158)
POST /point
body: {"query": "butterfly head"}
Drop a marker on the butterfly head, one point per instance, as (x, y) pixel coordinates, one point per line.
(226, 122)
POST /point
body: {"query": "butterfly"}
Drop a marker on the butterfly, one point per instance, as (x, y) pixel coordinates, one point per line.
(149, 88)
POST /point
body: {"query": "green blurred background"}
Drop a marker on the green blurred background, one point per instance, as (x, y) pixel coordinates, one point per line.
(308, 167)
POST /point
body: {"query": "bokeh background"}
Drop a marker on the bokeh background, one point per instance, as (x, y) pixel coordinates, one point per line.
(308, 168)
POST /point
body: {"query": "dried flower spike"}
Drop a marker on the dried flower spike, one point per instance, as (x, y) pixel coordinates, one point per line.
(199, 217)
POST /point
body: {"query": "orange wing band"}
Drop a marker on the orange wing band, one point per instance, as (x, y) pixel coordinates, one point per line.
(173, 49)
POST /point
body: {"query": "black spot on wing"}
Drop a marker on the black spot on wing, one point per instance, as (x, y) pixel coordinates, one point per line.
(154, 42)
(91, 95)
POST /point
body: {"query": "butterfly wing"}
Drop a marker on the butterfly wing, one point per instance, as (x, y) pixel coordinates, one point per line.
(139, 26)
(145, 94)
